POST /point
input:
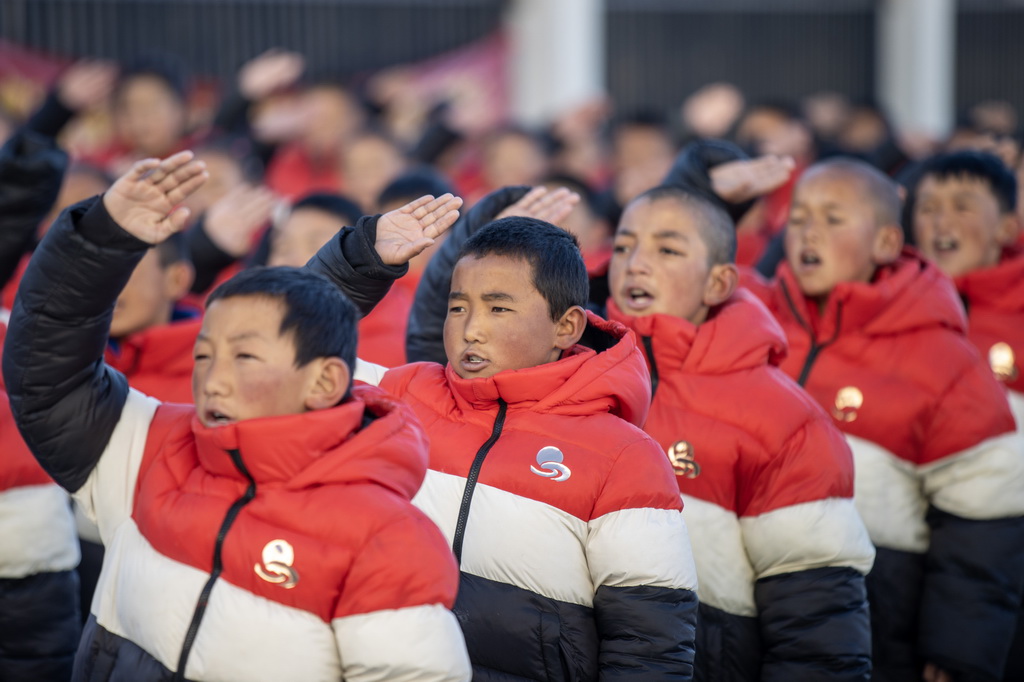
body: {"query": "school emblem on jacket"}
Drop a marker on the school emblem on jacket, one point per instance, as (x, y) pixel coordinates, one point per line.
(278, 557)
(849, 399)
(1002, 361)
(550, 461)
(680, 455)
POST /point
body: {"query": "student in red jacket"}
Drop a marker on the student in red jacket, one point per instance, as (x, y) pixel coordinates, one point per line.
(225, 557)
(876, 336)
(965, 221)
(768, 489)
(564, 516)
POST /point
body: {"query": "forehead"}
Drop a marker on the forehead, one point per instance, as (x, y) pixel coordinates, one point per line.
(258, 316)
(932, 185)
(834, 186)
(493, 274)
(312, 219)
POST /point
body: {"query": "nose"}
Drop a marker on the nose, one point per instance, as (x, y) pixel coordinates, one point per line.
(474, 330)
(637, 263)
(213, 378)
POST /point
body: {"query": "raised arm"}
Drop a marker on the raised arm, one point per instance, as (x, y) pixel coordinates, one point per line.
(363, 261)
(66, 401)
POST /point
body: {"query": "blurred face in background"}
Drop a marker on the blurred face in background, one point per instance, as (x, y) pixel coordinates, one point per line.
(225, 175)
(149, 115)
(641, 158)
(369, 164)
(79, 184)
(513, 158)
(301, 235)
(331, 117)
(149, 297)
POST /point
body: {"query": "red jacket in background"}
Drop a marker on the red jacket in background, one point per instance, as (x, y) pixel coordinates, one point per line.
(382, 331)
(767, 484)
(158, 361)
(995, 311)
(939, 469)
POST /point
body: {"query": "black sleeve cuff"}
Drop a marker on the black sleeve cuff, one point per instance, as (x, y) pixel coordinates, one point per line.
(358, 245)
(51, 117)
(97, 227)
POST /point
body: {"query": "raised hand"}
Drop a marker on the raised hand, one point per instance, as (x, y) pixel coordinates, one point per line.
(86, 83)
(738, 181)
(406, 231)
(144, 201)
(543, 204)
(232, 221)
(273, 70)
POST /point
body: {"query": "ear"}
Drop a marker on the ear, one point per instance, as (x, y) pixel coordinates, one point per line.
(330, 383)
(569, 329)
(1009, 229)
(887, 245)
(178, 279)
(721, 283)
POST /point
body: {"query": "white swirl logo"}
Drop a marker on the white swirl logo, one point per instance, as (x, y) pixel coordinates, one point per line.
(550, 460)
(278, 557)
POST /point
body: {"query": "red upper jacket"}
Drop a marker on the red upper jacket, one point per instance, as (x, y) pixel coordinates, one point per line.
(570, 503)
(891, 362)
(382, 331)
(767, 483)
(306, 522)
(995, 310)
(158, 360)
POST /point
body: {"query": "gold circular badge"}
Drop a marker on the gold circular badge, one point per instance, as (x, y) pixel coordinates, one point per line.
(849, 399)
(1002, 361)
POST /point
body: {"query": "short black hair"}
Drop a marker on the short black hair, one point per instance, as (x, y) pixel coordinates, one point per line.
(717, 229)
(553, 254)
(977, 165)
(341, 207)
(168, 67)
(882, 190)
(322, 319)
(173, 250)
(413, 185)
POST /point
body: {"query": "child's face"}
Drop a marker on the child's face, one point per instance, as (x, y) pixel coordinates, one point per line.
(660, 262)
(244, 368)
(958, 224)
(149, 297)
(497, 320)
(303, 233)
(149, 115)
(833, 234)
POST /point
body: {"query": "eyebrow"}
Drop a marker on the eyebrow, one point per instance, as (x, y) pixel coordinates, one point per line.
(664, 234)
(492, 296)
(232, 339)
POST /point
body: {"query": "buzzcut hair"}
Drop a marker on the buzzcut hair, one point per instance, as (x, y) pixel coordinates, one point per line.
(882, 190)
(553, 254)
(976, 165)
(413, 185)
(320, 317)
(336, 205)
(717, 229)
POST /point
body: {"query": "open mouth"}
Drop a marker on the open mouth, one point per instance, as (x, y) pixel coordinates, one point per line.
(473, 362)
(809, 258)
(638, 298)
(945, 244)
(215, 418)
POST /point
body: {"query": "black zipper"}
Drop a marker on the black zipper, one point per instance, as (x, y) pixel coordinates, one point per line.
(816, 347)
(649, 347)
(471, 479)
(218, 566)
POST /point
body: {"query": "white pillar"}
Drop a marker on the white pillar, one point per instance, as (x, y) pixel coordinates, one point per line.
(557, 56)
(916, 64)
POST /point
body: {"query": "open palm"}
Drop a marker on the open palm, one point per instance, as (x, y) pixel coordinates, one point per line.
(406, 231)
(144, 201)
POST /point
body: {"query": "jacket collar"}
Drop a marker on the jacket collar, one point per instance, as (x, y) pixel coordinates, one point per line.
(1000, 287)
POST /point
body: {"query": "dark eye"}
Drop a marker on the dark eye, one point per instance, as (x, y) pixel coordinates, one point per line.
(246, 356)
(620, 248)
(669, 252)
(499, 309)
(456, 309)
(200, 356)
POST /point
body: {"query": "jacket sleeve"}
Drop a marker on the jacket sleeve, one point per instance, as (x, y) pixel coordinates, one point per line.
(424, 337)
(638, 550)
(810, 552)
(352, 263)
(65, 399)
(393, 621)
(31, 170)
(974, 567)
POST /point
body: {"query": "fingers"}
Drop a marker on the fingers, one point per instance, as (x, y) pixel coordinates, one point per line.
(413, 206)
(187, 180)
(168, 166)
(141, 168)
(543, 204)
(175, 221)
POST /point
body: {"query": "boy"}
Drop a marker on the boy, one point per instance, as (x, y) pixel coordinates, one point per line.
(224, 558)
(965, 221)
(877, 338)
(564, 517)
(781, 553)
(769, 501)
